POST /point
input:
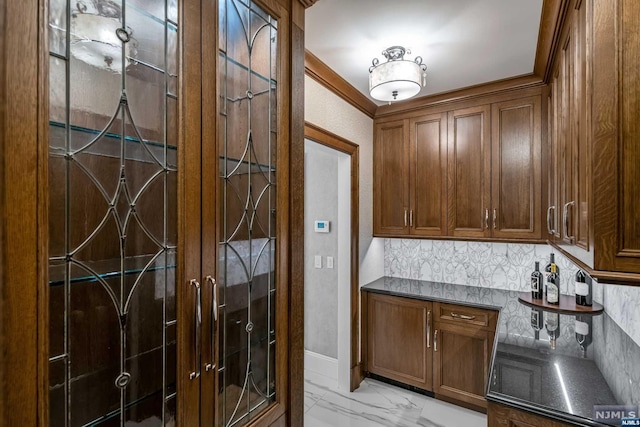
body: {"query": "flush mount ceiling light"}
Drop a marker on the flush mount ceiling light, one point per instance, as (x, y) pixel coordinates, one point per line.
(398, 78)
(98, 35)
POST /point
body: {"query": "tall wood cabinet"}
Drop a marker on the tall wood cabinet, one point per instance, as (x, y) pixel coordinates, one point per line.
(470, 172)
(145, 296)
(593, 213)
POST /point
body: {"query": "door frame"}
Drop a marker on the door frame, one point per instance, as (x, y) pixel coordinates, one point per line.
(331, 140)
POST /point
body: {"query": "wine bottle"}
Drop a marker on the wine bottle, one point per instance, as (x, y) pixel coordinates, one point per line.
(537, 322)
(582, 329)
(536, 282)
(553, 286)
(584, 289)
(547, 271)
(552, 324)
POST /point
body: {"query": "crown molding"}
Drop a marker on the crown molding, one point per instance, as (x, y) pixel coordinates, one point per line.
(320, 72)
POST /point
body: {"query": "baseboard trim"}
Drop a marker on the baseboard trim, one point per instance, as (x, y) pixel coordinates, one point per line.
(321, 364)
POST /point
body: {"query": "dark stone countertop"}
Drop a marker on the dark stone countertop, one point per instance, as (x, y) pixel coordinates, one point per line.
(526, 373)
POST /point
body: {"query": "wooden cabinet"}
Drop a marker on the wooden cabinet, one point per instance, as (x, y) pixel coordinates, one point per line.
(516, 185)
(399, 339)
(410, 178)
(470, 172)
(594, 203)
(503, 416)
(462, 346)
(444, 348)
(428, 175)
(391, 183)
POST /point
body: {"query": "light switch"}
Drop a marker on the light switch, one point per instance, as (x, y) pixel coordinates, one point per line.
(318, 261)
(329, 262)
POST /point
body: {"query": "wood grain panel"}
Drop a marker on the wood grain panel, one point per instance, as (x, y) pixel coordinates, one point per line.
(516, 169)
(500, 415)
(629, 154)
(189, 214)
(469, 172)
(461, 358)
(428, 180)
(22, 103)
(397, 339)
(391, 181)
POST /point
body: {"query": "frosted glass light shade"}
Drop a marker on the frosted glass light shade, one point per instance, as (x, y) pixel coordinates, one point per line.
(94, 41)
(400, 78)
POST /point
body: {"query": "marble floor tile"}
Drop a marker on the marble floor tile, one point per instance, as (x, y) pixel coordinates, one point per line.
(377, 404)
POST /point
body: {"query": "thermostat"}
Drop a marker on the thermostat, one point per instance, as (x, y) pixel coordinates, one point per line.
(321, 226)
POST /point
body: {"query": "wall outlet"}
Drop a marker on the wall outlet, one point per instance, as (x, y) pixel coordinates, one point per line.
(329, 262)
(318, 261)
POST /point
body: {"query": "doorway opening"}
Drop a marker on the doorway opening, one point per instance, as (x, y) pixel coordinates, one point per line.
(331, 259)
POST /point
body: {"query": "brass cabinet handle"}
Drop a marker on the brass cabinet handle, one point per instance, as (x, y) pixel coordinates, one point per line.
(494, 218)
(486, 218)
(435, 341)
(429, 329)
(405, 217)
(565, 220)
(550, 228)
(411, 218)
(462, 316)
(196, 332)
(214, 318)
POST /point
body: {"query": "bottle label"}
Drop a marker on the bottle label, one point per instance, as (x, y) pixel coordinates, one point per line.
(582, 289)
(535, 284)
(582, 328)
(552, 321)
(552, 293)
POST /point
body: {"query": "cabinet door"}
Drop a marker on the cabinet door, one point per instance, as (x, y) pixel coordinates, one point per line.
(391, 178)
(516, 175)
(461, 357)
(428, 180)
(553, 208)
(469, 172)
(399, 341)
(565, 173)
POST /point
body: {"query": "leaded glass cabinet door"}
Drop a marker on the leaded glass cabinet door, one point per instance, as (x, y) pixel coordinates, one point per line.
(113, 168)
(250, 153)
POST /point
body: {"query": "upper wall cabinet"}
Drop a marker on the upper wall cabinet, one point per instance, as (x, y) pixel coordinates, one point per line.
(594, 173)
(410, 178)
(473, 172)
(470, 172)
(516, 168)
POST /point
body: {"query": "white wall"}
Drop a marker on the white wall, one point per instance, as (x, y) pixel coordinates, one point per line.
(321, 284)
(325, 109)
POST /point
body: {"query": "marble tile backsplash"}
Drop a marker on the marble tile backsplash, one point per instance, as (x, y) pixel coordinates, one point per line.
(503, 266)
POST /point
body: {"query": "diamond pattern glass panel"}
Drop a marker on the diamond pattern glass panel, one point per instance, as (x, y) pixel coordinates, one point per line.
(247, 145)
(113, 212)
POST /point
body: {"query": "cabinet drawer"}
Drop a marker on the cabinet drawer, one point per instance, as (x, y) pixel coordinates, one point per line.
(459, 314)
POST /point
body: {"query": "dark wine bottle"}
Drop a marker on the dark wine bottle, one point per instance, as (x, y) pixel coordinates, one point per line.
(547, 271)
(553, 286)
(584, 289)
(552, 324)
(537, 322)
(582, 329)
(536, 282)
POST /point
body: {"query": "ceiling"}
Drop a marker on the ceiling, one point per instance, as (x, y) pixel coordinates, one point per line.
(462, 42)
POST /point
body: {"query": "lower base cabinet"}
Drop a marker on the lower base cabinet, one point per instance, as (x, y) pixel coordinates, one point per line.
(503, 416)
(399, 334)
(438, 347)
